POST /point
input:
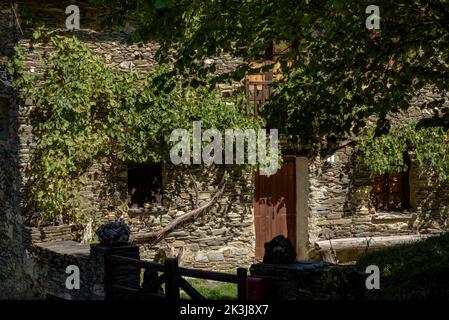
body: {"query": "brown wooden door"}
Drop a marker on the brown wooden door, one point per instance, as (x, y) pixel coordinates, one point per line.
(275, 206)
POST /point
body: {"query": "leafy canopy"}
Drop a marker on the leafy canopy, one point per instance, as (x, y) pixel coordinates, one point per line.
(428, 147)
(336, 72)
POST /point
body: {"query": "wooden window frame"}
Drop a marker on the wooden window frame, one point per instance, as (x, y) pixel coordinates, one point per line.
(391, 191)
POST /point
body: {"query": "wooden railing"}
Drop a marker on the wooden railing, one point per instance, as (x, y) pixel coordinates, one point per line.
(257, 92)
(172, 276)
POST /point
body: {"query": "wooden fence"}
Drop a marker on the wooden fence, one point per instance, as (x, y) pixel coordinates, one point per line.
(123, 280)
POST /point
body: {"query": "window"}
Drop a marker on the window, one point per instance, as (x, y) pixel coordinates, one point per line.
(391, 191)
(4, 118)
(144, 185)
(258, 86)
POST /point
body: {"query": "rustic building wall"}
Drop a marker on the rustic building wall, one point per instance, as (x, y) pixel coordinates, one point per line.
(18, 274)
(339, 197)
(53, 258)
(222, 238)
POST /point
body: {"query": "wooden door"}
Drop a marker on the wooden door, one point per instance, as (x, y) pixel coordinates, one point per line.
(274, 206)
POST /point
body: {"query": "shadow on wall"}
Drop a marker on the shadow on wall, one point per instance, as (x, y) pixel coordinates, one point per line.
(18, 272)
(432, 203)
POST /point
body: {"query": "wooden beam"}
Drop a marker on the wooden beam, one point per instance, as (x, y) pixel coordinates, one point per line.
(373, 242)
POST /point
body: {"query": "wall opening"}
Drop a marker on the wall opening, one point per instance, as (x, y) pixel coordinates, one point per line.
(144, 185)
(391, 191)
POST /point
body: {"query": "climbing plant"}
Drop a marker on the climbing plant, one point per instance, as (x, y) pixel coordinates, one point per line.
(89, 111)
(427, 146)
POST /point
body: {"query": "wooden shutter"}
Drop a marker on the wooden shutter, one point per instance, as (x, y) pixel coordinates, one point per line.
(390, 191)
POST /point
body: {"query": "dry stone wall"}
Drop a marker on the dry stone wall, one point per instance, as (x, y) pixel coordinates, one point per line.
(18, 274)
(339, 205)
(221, 239)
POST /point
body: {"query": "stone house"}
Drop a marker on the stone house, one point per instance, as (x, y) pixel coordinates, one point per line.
(322, 205)
(221, 239)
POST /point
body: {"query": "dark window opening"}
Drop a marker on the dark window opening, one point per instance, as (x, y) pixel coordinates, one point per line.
(269, 52)
(4, 118)
(391, 191)
(144, 185)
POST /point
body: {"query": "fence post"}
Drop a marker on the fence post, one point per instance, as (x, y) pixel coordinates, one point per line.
(241, 284)
(171, 279)
(108, 276)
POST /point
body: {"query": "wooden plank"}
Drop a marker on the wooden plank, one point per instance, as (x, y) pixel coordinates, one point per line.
(291, 201)
(190, 290)
(123, 289)
(149, 296)
(108, 276)
(241, 284)
(375, 242)
(137, 263)
(171, 279)
(154, 285)
(275, 205)
(208, 275)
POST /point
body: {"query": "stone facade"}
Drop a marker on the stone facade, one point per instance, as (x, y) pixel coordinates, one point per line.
(17, 273)
(336, 202)
(222, 238)
(58, 260)
(53, 258)
(52, 233)
(339, 197)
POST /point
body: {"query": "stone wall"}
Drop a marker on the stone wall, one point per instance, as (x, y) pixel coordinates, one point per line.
(17, 270)
(52, 233)
(53, 258)
(58, 261)
(310, 281)
(339, 205)
(222, 238)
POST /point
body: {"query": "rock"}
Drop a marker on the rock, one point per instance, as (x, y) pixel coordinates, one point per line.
(279, 250)
(179, 234)
(215, 256)
(178, 244)
(227, 253)
(194, 247)
(114, 233)
(201, 257)
(218, 232)
(127, 65)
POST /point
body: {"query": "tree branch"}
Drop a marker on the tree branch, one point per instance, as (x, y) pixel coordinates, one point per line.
(195, 188)
(343, 144)
(426, 11)
(157, 236)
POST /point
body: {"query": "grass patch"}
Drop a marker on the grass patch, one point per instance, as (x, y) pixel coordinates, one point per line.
(413, 271)
(212, 290)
